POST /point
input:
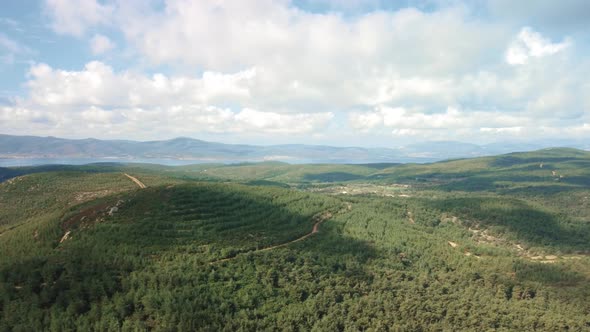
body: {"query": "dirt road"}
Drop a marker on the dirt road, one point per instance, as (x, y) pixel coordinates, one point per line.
(323, 217)
(318, 218)
(134, 179)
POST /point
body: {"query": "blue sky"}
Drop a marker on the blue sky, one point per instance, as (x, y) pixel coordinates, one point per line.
(348, 72)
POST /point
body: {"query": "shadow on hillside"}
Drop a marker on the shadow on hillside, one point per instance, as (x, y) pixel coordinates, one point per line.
(580, 163)
(577, 180)
(539, 190)
(159, 222)
(519, 220)
(378, 166)
(61, 281)
(106, 167)
(8, 173)
(332, 177)
(508, 161)
(105, 259)
(470, 184)
(263, 183)
(547, 273)
(501, 183)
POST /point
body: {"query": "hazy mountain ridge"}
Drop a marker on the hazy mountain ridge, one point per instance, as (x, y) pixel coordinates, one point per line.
(183, 148)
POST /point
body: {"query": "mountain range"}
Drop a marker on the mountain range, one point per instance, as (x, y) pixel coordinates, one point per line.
(191, 150)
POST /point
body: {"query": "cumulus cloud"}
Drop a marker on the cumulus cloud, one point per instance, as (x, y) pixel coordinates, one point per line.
(229, 34)
(455, 123)
(75, 17)
(159, 122)
(530, 43)
(273, 67)
(319, 62)
(452, 118)
(99, 85)
(277, 123)
(100, 101)
(100, 44)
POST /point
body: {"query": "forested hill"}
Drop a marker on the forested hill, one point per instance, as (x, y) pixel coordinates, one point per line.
(557, 166)
(496, 243)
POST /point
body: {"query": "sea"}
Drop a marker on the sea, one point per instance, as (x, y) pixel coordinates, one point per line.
(17, 162)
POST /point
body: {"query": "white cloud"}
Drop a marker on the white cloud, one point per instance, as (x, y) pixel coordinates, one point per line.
(467, 125)
(97, 84)
(100, 102)
(11, 49)
(309, 62)
(401, 118)
(100, 44)
(277, 123)
(21, 119)
(268, 67)
(158, 122)
(225, 35)
(400, 121)
(97, 115)
(74, 17)
(365, 121)
(501, 130)
(530, 43)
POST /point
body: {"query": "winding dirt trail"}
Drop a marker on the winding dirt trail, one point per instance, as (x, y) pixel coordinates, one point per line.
(134, 179)
(318, 220)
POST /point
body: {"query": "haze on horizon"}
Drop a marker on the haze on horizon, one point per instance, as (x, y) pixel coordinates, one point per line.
(357, 73)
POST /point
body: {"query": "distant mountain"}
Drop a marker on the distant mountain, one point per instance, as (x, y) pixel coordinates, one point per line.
(183, 148)
(198, 151)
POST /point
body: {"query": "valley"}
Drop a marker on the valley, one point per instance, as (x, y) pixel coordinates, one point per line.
(294, 165)
(493, 243)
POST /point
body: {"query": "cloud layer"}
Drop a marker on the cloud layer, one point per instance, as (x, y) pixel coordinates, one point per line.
(263, 68)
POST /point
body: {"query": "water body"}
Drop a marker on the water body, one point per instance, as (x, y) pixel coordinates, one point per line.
(15, 162)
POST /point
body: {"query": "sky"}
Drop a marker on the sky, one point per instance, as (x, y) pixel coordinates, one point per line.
(347, 72)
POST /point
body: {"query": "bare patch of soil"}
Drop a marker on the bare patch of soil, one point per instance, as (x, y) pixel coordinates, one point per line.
(93, 213)
(411, 218)
(65, 237)
(134, 179)
(392, 190)
(89, 216)
(86, 196)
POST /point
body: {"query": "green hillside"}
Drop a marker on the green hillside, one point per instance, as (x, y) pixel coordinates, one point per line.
(495, 243)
